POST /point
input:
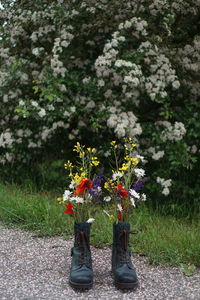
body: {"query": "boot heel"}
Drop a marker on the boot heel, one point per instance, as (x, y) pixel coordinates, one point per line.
(81, 286)
(127, 286)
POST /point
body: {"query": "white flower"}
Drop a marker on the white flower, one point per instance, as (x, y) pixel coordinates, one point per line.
(132, 201)
(167, 183)
(159, 180)
(42, 112)
(77, 199)
(86, 80)
(107, 198)
(65, 44)
(158, 155)
(72, 184)
(21, 103)
(140, 157)
(127, 24)
(134, 194)
(139, 172)
(119, 207)
(143, 197)
(66, 195)
(90, 220)
(34, 103)
(90, 104)
(165, 191)
(176, 84)
(117, 175)
(101, 82)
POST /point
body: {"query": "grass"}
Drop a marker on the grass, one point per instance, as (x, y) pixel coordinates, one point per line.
(164, 240)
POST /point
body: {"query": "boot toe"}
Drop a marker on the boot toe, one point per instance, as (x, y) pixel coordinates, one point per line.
(125, 275)
(82, 276)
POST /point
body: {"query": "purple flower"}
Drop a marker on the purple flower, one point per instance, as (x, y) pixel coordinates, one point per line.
(138, 185)
(96, 190)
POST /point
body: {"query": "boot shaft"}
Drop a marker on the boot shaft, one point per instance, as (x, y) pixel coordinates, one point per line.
(81, 254)
(121, 232)
(81, 274)
(121, 253)
(82, 234)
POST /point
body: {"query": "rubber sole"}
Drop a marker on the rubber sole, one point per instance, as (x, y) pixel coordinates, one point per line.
(127, 286)
(81, 286)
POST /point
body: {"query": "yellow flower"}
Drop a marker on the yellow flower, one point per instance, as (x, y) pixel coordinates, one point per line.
(83, 174)
(125, 166)
(106, 185)
(94, 158)
(77, 178)
(60, 200)
(111, 218)
(68, 164)
(133, 160)
(77, 147)
(94, 163)
(109, 184)
(81, 153)
(91, 150)
(113, 144)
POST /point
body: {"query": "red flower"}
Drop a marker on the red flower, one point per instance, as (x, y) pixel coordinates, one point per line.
(83, 186)
(120, 216)
(69, 209)
(121, 191)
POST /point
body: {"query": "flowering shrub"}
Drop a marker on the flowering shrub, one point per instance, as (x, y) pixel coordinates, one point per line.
(102, 70)
(123, 188)
(79, 195)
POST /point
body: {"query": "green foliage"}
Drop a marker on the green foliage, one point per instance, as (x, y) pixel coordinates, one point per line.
(95, 71)
(188, 270)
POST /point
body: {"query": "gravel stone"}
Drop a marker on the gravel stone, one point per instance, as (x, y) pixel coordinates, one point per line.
(34, 268)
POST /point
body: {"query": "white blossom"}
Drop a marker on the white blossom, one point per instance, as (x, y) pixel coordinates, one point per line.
(90, 220)
(107, 199)
(117, 175)
(139, 172)
(66, 195)
(134, 194)
(119, 207)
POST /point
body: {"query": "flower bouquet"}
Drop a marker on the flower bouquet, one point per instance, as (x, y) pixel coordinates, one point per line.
(122, 189)
(82, 189)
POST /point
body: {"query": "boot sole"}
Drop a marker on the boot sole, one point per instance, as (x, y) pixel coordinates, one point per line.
(128, 285)
(81, 286)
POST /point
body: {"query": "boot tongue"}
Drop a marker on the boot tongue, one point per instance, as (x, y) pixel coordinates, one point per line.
(82, 234)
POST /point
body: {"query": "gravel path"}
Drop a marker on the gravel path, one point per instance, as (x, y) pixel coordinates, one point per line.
(37, 268)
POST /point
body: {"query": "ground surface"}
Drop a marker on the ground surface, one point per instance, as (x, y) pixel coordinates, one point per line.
(37, 268)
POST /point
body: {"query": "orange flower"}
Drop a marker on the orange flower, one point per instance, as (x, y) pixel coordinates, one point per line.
(83, 186)
(121, 191)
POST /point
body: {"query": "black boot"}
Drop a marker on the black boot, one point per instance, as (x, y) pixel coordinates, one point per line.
(124, 273)
(81, 274)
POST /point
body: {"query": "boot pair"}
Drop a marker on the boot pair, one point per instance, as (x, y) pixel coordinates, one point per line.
(81, 273)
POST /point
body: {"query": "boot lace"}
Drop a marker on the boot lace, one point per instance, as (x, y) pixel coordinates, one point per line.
(125, 253)
(82, 240)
